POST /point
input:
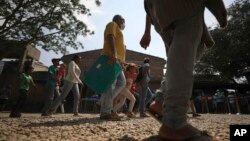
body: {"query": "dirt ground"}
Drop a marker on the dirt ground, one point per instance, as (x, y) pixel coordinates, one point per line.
(88, 127)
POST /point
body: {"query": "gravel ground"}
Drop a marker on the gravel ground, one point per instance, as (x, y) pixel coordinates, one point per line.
(88, 127)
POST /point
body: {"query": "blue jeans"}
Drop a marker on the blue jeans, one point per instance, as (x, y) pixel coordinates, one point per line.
(149, 97)
(49, 98)
(111, 93)
(66, 89)
(143, 92)
(57, 93)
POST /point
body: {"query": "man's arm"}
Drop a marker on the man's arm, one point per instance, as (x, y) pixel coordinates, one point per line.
(112, 45)
(146, 38)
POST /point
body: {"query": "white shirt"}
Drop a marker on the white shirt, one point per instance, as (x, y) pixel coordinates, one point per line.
(73, 73)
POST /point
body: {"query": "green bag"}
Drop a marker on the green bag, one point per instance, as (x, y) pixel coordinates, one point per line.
(101, 75)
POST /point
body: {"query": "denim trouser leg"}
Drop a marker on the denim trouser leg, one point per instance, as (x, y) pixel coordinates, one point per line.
(49, 99)
(66, 89)
(75, 90)
(111, 93)
(57, 93)
(149, 97)
(142, 97)
(180, 64)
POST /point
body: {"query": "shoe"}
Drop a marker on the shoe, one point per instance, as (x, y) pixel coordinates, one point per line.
(143, 115)
(111, 117)
(186, 133)
(44, 114)
(76, 114)
(50, 112)
(15, 115)
(115, 116)
(196, 115)
(131, 115)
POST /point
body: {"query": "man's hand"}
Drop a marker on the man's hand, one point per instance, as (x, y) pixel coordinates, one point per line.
(111, 60)
(145, 40)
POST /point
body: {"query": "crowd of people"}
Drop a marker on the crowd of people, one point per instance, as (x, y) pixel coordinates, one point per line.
(222, 101)
(181, 25)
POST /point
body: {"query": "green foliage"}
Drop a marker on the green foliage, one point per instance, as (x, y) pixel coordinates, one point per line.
(51, 24)
(231, 52)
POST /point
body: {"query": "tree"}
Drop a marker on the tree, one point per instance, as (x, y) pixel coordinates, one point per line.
(50, 24)
(231, 52)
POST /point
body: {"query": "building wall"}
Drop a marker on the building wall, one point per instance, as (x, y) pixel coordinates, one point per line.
(36, 95)
(156, 64)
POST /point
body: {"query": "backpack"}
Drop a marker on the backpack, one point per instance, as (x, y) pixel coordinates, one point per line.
(139, 76)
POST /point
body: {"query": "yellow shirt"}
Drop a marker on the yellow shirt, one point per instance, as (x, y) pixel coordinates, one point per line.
(114, 29)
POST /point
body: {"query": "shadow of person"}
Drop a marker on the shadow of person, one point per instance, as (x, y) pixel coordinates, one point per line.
(64, 122)
(127, 138)
(153, 138)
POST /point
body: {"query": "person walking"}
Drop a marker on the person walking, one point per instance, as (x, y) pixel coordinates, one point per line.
(51, 85)
(60, 75)
(144, 91)
(181, 26)
(130, 74)
(25, 80)
(71, 82)
(115, 49)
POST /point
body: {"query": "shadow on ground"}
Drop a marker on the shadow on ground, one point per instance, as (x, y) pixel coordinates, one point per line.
(65, 122)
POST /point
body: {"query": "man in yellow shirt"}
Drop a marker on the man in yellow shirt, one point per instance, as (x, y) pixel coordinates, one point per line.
(115, 49)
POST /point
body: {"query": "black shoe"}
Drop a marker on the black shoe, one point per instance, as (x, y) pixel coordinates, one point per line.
(196, 115)
(45, 114)
(51, 112)
(15, 115)
(112, 117)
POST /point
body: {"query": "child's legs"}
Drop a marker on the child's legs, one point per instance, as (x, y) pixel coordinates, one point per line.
(130, 97)
(117, 99)
(120, 100)
(20, 102)
(136, 106)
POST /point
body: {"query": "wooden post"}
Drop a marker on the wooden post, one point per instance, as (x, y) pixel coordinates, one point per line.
(237, 104)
